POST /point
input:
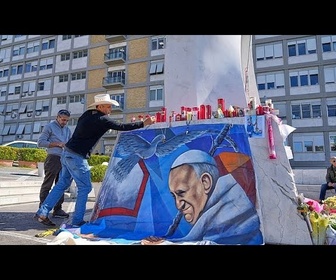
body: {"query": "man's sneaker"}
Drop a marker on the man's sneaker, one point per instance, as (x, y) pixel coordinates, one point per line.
(44, 220)
(60, 214)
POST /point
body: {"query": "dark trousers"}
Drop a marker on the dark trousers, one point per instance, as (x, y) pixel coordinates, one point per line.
(52, 168)
(324, 188)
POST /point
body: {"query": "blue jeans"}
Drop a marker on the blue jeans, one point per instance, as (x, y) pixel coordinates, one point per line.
(324, 188)
(76, 167)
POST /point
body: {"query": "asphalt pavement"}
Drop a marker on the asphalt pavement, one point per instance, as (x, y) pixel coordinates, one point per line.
(17, 225)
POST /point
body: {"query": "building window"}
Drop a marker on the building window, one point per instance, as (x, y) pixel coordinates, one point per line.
(156, 94)
(44, 85)
(116, 53)
(271, 81)
(29, 87)
(3, 90)
(308, 146)
(66, 37)
(328, 43)
(31, 66)
(308, 143)
(19, 50)
(302, 47)
(33, 47)
(37, 127)
(4, 73)
(296, 112)
(14, 89)
(269, 51)
(316, 109)
(5, 130)
(332, 141)
(76, 98)
(73, 121)
(17, 90)
(63, 78)
(306, 111)
(61, 100)
(116, 77)
(80, 54)
(156, 68)
(119, 98)
(158, 43)
(78, 76)
(329, 75)
(48, 44)
(46, 63)
(303, 78)
(65, 56)
(17, 69)
(331, 109)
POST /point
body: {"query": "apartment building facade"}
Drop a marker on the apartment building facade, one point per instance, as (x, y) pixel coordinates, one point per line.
(298, 73)
(41, 74)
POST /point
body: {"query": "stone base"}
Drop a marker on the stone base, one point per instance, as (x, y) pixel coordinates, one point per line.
(6, 162)
(29, 164)
(96, 187)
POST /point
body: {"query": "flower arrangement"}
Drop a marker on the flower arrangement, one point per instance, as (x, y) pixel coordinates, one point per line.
(318, 217)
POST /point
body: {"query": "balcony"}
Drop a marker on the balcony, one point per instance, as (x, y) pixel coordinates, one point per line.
(113, 82)
(115, 38)
(115, 58)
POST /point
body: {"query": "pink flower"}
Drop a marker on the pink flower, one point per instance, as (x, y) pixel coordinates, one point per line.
(313, 205)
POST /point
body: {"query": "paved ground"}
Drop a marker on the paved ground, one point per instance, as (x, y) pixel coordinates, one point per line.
(19, 174)
(17, 226)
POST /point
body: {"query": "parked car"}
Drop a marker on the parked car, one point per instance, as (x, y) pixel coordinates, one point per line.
(21, 144)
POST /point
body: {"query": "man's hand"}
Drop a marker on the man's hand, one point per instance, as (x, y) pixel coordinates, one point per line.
(149, 120)
(57, 144)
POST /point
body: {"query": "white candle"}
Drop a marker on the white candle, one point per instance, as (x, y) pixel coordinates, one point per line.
(253, 103)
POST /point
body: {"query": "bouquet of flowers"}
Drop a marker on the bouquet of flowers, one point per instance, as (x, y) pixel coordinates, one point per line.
(316, 217)
(319, 223)
(329, 205)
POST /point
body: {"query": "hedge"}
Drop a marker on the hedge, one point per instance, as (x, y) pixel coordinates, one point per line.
(8, 153)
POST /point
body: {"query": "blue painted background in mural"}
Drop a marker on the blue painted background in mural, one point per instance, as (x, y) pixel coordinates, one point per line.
(135, 200)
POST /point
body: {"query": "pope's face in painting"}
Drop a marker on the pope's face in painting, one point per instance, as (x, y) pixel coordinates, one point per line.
(189, 191)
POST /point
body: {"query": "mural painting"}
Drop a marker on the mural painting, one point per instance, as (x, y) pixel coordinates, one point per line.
(183, 184)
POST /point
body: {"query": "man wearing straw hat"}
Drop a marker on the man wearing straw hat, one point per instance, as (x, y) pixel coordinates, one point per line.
(91, 126)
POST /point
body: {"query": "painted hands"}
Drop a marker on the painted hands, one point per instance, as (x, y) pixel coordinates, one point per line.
(152, 240)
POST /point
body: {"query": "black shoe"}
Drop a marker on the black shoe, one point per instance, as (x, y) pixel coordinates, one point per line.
(60, 214)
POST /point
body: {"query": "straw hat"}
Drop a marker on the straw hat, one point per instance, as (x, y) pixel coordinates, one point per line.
(103, 99)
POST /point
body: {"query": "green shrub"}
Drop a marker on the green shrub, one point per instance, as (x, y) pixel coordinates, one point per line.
(98, 159)
(98, 172)
(32, 154)
(8, 153)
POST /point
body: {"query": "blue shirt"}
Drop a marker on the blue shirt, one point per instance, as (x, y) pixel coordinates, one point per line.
(53, 132)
